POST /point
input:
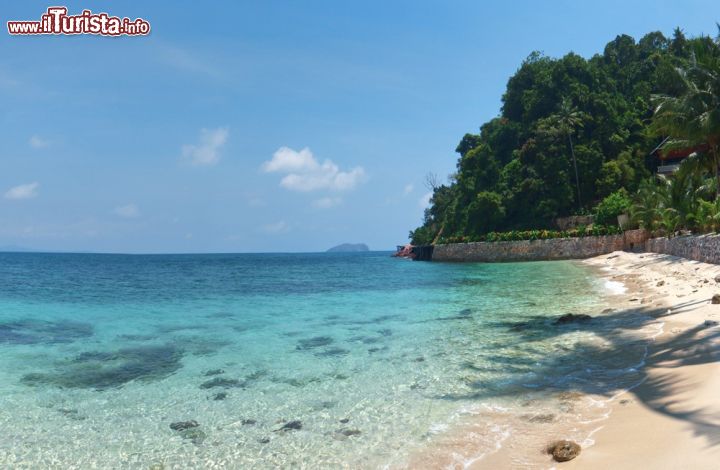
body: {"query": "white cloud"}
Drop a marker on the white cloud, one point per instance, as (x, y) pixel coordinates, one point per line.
(23, 191)
(37, 142)
(207, 152)
(327, 202)
(287, 160)
(277, 227)
(305, 173)
(408, 189)
(128, 211)
(424, 201)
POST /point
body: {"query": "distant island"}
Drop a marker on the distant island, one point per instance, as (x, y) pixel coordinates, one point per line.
(349, 248)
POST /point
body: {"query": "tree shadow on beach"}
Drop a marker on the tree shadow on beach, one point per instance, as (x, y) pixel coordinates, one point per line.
(590, 368)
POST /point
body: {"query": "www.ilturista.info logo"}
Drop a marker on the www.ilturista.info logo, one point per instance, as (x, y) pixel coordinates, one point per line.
(57, 21)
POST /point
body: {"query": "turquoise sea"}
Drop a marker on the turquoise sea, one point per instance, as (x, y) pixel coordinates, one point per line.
(290, 360)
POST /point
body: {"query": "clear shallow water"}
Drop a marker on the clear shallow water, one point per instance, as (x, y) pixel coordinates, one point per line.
(376, 357)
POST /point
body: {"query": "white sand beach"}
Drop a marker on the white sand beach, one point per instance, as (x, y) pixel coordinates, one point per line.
(671, 420)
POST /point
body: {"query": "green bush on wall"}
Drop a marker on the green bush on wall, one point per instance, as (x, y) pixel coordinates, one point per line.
(519, 235)
(607, 211)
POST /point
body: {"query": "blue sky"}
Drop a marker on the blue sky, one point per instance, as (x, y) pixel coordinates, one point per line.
(193, 139)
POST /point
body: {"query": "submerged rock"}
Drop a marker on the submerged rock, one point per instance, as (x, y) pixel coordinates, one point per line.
(290, 426)
(195, 435)
(189, 430)
(562, 451)
(572, 318)
(102, 370)
(311, 343)
(182, 425)
(222, 382)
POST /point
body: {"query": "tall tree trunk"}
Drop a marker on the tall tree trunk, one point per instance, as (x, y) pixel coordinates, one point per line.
(577, 177)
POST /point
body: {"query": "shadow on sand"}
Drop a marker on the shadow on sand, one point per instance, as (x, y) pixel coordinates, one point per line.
(656, 391)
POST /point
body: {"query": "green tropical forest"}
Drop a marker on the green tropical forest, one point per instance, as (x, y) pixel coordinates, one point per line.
(580, 136)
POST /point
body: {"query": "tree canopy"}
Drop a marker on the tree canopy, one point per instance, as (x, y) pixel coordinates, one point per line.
(558, 114)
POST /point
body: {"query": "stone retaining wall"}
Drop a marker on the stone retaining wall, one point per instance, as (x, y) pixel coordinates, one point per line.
(538, 250)
(705, 248)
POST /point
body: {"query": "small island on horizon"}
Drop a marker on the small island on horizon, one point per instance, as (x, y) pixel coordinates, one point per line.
(349, 248)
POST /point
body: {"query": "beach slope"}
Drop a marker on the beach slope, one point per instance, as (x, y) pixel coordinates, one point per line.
(672, 419)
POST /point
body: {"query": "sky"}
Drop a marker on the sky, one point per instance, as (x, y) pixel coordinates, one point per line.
(266, 126)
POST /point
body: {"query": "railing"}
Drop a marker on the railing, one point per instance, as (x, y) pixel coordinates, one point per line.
(667, 169)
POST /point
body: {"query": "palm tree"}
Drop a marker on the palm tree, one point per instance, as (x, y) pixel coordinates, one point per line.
(708, 215)
(693, 118)
(568, 118)
(650, 202)
(680, 201)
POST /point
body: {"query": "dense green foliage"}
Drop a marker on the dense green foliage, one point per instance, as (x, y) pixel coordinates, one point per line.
(571, 132)
(611, 207)
(515, 235)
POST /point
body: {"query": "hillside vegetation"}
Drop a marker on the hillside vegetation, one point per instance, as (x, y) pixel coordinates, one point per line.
(574, 136)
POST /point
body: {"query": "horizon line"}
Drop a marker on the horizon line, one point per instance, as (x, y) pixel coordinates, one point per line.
(44, 252)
